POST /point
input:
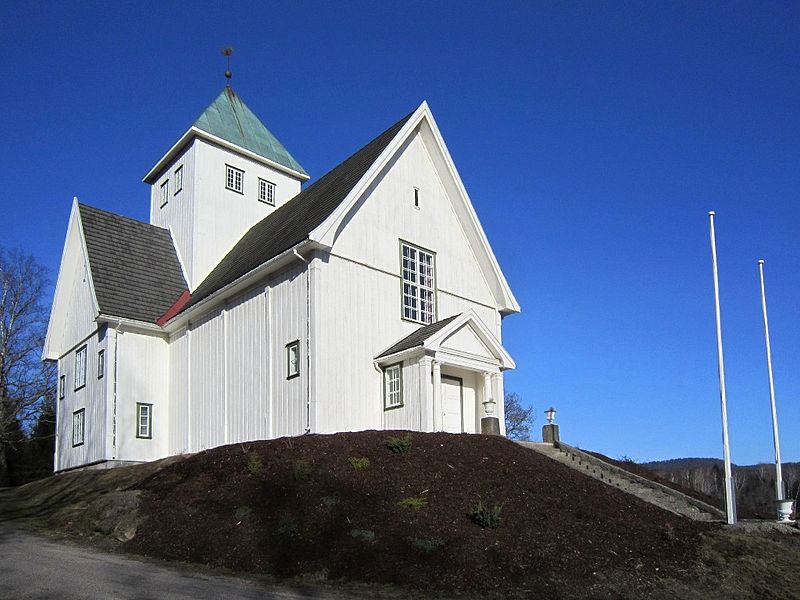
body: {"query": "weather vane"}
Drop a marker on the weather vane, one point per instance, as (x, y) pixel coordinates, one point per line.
(227, 52)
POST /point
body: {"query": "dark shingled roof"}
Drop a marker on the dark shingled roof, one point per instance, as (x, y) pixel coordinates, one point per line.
(294, 221)
(418, 337)
(135, 268)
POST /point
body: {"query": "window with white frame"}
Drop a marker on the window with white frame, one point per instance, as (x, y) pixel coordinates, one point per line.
(80, 367)
(144, 420)
(419, 292)
(266, 191)
(62, 387)
(101, 363)
(234, 179)
(293, 359)
(164, 193)
(178, 179)
(78, 427)
(393, 386)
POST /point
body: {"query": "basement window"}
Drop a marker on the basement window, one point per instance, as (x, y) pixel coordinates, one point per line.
(393, 386)
(293, 359)
(80, 368)
(266, 191)
(144, 420)
(234, 179)
(78, 427)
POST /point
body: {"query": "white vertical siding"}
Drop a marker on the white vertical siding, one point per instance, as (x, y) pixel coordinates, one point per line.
(247, 367)
(207, 383)
(179, 212)
(288, 323)
(410, 415)
(142, 377)
(179, 393)
(91, 398)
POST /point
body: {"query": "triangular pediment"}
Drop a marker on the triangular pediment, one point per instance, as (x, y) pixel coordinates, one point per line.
(466, 341)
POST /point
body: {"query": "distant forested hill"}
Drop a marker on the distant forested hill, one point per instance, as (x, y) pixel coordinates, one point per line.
(755, 484)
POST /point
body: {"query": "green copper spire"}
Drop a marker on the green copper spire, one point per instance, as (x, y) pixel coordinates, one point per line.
(230, 119)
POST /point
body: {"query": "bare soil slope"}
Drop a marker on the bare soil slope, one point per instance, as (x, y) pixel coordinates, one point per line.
(348, 507)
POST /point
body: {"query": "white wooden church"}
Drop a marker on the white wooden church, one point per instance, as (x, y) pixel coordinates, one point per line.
(251, 307)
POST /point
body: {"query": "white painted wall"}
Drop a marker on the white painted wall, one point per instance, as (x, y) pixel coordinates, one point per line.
(360, 290)
(91, 398)
(142, 376)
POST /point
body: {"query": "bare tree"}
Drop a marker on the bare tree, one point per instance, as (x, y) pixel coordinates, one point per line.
(519, 419)
(25, 382)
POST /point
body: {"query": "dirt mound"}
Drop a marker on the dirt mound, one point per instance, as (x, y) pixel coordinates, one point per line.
(348, 506)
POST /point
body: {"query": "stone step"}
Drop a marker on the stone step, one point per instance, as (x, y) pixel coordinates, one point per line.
(652, 492)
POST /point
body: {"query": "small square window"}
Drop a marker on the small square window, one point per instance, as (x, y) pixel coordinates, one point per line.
(62, 387)
(178, 179)
(393, 386)
(293, 359)
(266, 191)
(144, 420)
(80, 368)
(101, 363)
(164, 193)
(234, 179)
(78, 427)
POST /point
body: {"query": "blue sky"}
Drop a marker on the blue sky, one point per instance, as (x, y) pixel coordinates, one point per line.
(593, 137)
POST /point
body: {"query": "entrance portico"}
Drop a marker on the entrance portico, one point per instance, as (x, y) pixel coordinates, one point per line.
(457, 366)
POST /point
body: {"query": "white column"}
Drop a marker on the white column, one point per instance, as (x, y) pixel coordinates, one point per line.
(437, 396)
(426, 394)
(499, 397)
(487, 392)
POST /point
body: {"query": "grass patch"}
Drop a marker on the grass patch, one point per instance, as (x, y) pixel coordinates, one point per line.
(242, 512)
(413, 503)
(399, 445)
(365, 535)
(481, 514)
(359, 463)
(301, 470)
(426, 545)
(287, 526)
(255, 467)
(329, 502)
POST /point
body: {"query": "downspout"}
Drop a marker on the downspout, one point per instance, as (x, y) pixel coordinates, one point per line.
(308, 339)
(114, 393)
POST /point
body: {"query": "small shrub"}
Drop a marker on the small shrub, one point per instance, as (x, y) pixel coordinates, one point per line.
(412, 503)
(254, 465)
(287, 526)
(399, 445)
(302, 470)
(328, 502)
(365, 535)
(359, 464)
(484, 516)
(242, 512)
(427, 545)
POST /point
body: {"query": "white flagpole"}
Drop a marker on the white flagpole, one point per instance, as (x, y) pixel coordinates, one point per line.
(779, 494)
(730, 497)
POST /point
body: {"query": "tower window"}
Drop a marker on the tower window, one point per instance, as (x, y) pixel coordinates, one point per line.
(164, 193)
(234, 179)
(178, 179)
(266, 191)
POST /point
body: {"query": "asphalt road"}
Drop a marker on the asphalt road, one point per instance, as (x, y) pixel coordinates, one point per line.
(32, 567)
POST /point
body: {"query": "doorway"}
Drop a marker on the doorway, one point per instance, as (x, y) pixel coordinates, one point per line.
(452, 404)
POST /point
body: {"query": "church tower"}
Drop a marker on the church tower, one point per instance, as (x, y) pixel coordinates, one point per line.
(226, 173)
